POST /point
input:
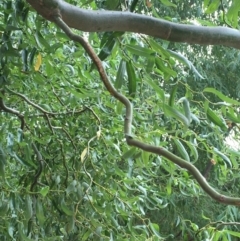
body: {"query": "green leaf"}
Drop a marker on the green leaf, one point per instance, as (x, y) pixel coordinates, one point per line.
(129, 153)
(185, 61)
(156, 88)
(155, 229)
(140, 51)
(181, 149)
(44, 191)
(213, 6)
(170, 111)
(168, 3)
(223, 156)
(172, 96)
(221, 96)
(132, 79)
(230, 114)
(120, 74)
(28, 210)
(65, 208)
(107, 48)
(150, 64)
(4, 208)
(164, 68)
(233, 233)
(186, 107)
(41, 42)
(2, 162)
(216, 120)
(39, 212)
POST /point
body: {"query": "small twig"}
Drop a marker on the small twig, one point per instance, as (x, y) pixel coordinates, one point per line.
(40, 166)
(64, 164)
(30, 102)
(12, 111)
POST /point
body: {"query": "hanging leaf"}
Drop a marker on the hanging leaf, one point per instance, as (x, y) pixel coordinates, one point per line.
(39, 212)
(213, 6)
(2, 162)
(168, 3)
(181, 149)
(221, 96)
(172, 95)
(223, 156)
(132, 79)
(120, 74)
(140, 51)
(170, 111)
(44, 191)
(84, 153)
(38, 62)
(216, 120)
(28, 210)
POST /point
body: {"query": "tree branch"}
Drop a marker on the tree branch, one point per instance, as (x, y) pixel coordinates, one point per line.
(128, 122)
(102, 21)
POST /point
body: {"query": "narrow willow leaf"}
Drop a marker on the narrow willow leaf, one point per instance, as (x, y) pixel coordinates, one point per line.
(145, 157)
(158, 48)
(185, 61)
(38, 62)
(39, 212)
(195, 119)
(169, 186)
(83, 154)
(215, 119)
(221, 96)
(194, 152)
(120, 74)
(181, 149)
(132, 79)
(129, 153)
(213, 6)
(22, 236)
(172, 96)
(140, 51)
(44, 191)
(168, 3)
(41, 42)
(233, 233)
(28, 211)
(169, 111)
(231, 116)
(65, 208)
(156, 88)
(107, 48)
(71, 224)
(223, 156)
(150, 64)
(165, 69)
(186, 107)
(2, 162)
(4, 208)
(155, 229)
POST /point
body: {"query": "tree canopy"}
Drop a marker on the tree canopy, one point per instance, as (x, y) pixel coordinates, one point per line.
(119, 120)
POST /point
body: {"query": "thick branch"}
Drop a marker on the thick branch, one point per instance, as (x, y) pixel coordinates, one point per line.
(128, 123)
(101, 21)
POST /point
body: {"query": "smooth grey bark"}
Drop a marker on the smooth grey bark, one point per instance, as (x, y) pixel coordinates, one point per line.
(102, 21)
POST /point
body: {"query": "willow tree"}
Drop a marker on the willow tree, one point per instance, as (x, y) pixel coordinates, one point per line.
(78, 178)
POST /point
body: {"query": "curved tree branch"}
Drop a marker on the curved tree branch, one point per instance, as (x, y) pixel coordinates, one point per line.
(101, 21)
(128, 121)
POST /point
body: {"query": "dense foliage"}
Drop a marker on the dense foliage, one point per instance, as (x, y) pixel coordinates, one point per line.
(66, 171)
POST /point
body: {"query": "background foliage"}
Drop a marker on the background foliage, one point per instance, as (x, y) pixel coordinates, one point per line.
(66, 172)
